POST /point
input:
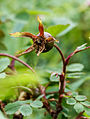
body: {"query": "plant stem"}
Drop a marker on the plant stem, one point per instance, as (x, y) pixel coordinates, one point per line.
(60, 52)
(15, 58)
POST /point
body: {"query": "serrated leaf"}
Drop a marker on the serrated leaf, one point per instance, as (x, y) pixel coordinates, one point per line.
(80, 97)
(74, 94)
(86, 103)
(4, 62)
(81, 47)
(26, 110)
(11, 108)
(75, 67)
(56, 29)
(54, 78)
(71, 101)
(2, 75)
(36, 104)
(79, 107)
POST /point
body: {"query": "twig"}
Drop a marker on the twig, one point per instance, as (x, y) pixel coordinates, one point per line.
(60, 52)
(15, 58)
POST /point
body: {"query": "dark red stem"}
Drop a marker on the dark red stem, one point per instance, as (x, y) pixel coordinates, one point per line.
(15, 58)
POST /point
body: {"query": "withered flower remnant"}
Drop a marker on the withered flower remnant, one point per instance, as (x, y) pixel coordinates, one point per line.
(43, 42)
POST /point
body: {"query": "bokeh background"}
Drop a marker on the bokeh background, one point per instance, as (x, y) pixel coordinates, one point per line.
(21, 15)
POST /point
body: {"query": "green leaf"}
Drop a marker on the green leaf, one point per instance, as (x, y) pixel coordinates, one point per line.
(4, 62)
(2, 75)
(54, 78)
(2, 46)
(75, 75)
(26, 110)
(56, 29)
(74, 94)
(2, 116)
(11, 108)
(86, 103)
(81, 47)
(23, 16)
(71, 101)
(36, 104)
(78, 107)
(81, 97)
(75, 67)
(87, 110)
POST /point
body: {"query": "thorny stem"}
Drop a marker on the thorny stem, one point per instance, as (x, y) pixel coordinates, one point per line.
(15, 58)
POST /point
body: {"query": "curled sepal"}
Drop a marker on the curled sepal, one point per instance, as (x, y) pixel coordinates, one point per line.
(23, 34)
(41, 28)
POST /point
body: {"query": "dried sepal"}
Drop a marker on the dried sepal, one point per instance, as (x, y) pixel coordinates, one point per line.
(41, 28)
(23, 34)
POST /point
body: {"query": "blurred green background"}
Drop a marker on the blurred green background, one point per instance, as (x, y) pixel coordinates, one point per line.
(21, 15)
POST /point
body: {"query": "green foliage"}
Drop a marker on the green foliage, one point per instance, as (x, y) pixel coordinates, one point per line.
(86, 103)
(2, 75)
(4, 62)
(2, 116)
(69, 22)
(56, 29)
(81, 98)
(54, 77)
(71, 101)
(26, 110)
(75, 67)
(78, 107)
(10, 84)
(25, 107)
(36, 104)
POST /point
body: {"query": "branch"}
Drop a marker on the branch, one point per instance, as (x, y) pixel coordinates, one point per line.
(60, 52)
(73, 53)
(15, 58)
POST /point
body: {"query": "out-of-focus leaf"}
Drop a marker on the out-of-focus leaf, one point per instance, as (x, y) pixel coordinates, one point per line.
(37, 12)
(2, 46)
(56, 29)
(1, 34)
(2, 75)
(77, 84)
(23, 16)
(81, 47)
(87, 110)
(74, 94)
(71, 101)
(4, 62)
(36, 104)
(86, 103)
(75, 67)
(2, 116)
(81, 97)
(79, 107)
(26, 110)
(75, 75)
(73, 25)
